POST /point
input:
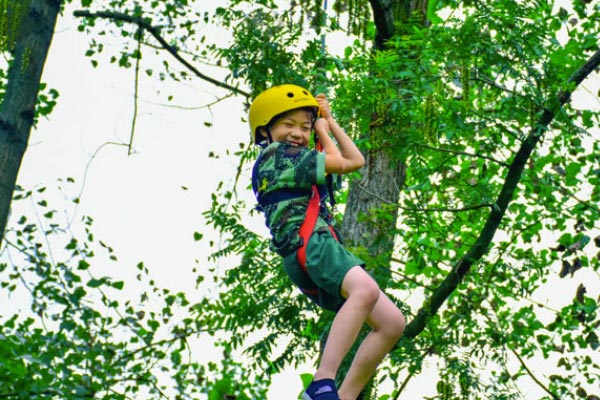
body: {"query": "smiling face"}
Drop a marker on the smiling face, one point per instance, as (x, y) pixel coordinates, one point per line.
(293, 127)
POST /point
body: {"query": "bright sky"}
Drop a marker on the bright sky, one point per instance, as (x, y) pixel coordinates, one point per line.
(138, 202)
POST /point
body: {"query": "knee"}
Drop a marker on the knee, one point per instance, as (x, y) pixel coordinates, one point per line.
(395, 326)
(367, 293)
(360, 286)
(370, 293)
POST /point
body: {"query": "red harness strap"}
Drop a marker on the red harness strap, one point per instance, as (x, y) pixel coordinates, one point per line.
(308, 226)
(306, 230)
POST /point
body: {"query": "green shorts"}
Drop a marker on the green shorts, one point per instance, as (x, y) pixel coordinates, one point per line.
(327, 263)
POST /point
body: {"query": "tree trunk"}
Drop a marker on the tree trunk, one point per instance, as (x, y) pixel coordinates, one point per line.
(29, 48)
(383, 174)
(382, 178)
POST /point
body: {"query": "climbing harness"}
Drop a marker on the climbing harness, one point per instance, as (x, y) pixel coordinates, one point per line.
(310, 218)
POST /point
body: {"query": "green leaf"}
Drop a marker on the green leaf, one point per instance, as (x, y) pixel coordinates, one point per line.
(94, 283)
(118, 285)
(431, 12)
(306, 379)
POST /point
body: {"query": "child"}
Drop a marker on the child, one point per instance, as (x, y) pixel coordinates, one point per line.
(282, 119)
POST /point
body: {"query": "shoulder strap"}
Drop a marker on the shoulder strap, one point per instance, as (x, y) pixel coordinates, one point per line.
(308, 226)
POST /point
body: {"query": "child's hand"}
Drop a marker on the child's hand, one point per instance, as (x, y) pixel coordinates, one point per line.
(323, 106)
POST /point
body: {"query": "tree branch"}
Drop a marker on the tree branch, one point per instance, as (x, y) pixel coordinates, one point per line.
(440, 209)
(20, 394)
(463, 153)
(144, 23)
(513, 177)
(136, 88)
(532, 376)
(403, 386)
(383, 16)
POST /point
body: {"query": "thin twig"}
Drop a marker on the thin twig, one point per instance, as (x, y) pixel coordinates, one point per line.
(529, 372)
(403, 386)
(439, 209)
(493, 83)
(406, 277)
(532, 376)
(139, 35)
(161, 342)
(463, 153)
(85, 174)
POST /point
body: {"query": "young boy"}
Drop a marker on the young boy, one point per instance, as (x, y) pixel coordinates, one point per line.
(282, 119)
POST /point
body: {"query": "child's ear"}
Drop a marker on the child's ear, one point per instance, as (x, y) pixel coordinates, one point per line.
(263, 132)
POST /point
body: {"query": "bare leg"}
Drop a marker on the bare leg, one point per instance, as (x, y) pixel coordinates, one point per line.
(361, 293)
(388, 324)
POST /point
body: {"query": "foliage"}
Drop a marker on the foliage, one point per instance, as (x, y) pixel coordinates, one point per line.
(457, 97)
(488, 78)
(84, 335)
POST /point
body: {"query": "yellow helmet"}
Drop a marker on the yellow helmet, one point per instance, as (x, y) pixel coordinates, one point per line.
(275, 101)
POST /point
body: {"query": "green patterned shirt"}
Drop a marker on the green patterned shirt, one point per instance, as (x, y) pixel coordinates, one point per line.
(284, 168)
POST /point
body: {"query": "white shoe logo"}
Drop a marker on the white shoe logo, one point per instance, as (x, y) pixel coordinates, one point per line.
(324, 389)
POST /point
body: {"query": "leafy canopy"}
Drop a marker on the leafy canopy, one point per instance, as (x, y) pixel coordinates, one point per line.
(456, 99)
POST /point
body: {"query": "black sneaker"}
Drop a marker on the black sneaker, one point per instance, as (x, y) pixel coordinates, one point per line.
(323, 389)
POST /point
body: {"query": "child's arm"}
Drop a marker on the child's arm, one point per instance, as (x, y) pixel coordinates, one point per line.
(347, 157)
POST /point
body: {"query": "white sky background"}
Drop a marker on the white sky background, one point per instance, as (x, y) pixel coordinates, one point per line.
(137, 201)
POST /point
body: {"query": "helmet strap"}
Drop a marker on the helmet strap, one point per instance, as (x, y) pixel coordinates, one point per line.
(266, 134)
(269, 137)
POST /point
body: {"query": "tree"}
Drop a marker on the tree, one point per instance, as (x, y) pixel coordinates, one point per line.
(464, 102)
(26, 29)
(463, 110)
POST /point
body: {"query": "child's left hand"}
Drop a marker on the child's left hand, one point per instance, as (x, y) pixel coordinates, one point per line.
(324, 108)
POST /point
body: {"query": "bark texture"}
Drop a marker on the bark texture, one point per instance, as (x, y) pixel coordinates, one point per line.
(17, 108)
(383, 175)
